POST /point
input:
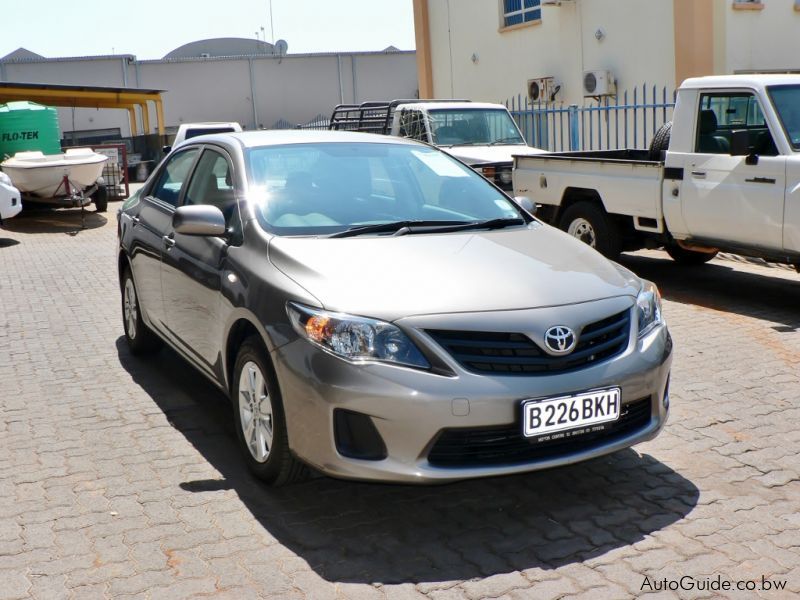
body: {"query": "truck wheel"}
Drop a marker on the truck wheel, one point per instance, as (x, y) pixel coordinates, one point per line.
(590, 224)
(682, 256)
(100, 199)
(660, 142)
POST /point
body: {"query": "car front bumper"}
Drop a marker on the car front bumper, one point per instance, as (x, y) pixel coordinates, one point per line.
(410, 408)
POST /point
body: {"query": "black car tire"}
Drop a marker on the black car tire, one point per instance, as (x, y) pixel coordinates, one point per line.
(589, 223)
(278, 467)
(140, 338)
(100, 199)
(683, 256)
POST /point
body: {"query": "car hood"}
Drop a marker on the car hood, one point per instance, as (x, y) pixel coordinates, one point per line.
(475, 155)
(417, 274)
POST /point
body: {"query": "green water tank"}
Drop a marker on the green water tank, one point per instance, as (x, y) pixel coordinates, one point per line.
(28, 126)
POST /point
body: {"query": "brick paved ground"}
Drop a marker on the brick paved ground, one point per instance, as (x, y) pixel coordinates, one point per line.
(119, 477)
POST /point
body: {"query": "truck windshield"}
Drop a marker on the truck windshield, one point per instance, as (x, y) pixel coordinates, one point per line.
(326, 188)
(786, 99)
(473, 126)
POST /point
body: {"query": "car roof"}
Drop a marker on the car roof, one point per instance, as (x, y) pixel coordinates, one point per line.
(754, 81)
(254, 139)
(455, 106)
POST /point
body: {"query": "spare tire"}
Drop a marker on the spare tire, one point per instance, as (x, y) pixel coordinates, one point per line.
(660, 142)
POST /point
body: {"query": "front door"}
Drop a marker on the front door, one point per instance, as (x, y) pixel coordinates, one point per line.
(193, 266)
(723, 197)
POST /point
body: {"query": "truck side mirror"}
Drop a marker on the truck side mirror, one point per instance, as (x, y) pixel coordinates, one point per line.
(740, 146)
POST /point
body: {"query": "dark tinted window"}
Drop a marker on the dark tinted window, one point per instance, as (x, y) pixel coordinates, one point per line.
(205, 131)
(173, 176)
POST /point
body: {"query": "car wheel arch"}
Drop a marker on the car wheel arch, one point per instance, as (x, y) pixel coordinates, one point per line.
(241, 328)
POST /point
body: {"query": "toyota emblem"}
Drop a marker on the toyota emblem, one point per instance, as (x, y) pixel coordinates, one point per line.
(560, 340)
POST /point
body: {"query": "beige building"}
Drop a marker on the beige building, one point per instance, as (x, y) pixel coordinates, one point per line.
(489, 50)
(226, 79)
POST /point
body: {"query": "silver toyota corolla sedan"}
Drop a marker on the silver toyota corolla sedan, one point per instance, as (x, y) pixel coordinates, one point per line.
(377, 310)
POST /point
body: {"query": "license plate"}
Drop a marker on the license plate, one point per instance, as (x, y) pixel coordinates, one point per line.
(542, 417)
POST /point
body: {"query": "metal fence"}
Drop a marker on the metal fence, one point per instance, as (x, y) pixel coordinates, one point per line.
(628, 121)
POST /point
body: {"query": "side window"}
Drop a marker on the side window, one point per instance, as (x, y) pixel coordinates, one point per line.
(412, 125)
(173, 176)
(720, 114)
(212, 182)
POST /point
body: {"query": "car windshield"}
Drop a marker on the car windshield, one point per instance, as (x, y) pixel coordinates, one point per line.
(786, 99)
(326, 188)
(473, 126)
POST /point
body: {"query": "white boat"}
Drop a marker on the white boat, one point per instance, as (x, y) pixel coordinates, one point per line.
(43, 175)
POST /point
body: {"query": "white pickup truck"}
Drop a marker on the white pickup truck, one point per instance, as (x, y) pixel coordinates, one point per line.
(724, 176)
(482, 135)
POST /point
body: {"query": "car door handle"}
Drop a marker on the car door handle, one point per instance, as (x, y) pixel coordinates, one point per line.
(699, 174)
(135, 221)
(169, 241)
(760, 180)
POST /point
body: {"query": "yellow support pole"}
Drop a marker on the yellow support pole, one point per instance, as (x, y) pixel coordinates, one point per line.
(132, 115)
(145, 117)
(160, 116)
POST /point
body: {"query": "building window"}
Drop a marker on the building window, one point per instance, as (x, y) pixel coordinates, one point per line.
(748, 4)
(517, 12)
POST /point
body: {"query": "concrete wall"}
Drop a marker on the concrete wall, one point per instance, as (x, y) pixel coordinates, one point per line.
(761, 39)
(638, 46)
(295, 88)
(643, 41)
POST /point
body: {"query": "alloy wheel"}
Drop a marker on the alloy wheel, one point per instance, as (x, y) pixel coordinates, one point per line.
(255, 412)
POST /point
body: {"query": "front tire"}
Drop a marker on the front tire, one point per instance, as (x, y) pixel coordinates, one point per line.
(590, 224)
(260, 422)
(140, 338)
(683, 256)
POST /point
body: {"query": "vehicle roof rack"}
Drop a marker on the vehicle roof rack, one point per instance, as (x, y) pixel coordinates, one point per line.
(371, 117)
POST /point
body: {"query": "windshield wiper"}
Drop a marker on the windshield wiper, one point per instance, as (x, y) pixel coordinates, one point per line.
(507, 140)
(389, 227)
(398, 228)
(489, 224)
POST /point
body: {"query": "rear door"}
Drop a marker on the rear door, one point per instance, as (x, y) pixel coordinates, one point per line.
(150, 226)
(723, 197)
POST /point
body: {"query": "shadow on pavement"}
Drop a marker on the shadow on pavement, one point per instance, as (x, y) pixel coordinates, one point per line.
(8, 242)
(721, 287)
(358, 532)
(50, 220)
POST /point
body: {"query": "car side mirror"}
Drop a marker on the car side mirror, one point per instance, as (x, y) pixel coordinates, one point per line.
(527, 204)
(200, 219)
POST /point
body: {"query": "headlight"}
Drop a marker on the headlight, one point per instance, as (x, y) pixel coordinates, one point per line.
(648, 308)
(355, 338)
(505, 177)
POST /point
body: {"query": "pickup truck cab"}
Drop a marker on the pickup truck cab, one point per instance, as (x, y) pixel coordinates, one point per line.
(724, 175)
(187, 131)
(481, 135)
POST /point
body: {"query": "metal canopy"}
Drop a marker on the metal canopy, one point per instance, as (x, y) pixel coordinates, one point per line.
(81, 96)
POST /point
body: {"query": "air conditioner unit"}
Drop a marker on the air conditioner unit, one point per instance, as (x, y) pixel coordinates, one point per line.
(541, 89)
(599, 83)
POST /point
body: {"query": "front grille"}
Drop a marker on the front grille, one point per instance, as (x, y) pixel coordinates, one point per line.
(517, 354)
(506, 445)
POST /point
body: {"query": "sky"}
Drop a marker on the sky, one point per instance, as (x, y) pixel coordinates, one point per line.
(150, 29)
